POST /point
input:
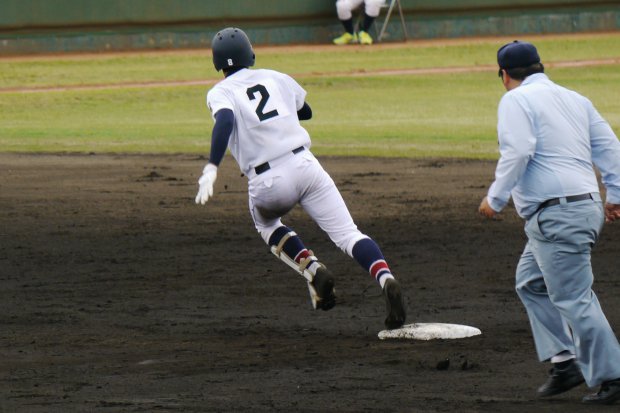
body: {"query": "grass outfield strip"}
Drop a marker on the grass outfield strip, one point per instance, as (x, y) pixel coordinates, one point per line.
(444, 114)
(431, 115)
(195, 65)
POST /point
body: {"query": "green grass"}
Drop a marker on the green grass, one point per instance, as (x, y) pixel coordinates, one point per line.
(406, 115)
(196, 64)
(450, 114)
(123, 120)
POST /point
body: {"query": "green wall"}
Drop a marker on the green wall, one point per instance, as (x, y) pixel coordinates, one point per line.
(24, 14)
(39, 26)
(21, 14)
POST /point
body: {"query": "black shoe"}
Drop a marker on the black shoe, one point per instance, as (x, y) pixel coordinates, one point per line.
(323, 283)
(608, 394)
(561, 380)
(395, 304)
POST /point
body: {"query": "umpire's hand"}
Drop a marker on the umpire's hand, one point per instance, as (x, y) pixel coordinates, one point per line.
(485, 209)
(206, 181)
(612, 212)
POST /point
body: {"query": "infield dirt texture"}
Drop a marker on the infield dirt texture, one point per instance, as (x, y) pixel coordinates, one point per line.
(119, 294)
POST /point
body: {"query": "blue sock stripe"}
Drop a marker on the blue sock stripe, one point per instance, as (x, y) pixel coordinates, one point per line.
(379, 277)
(382, 273)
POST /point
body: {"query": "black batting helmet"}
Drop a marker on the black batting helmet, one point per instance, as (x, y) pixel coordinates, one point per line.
(232, 48)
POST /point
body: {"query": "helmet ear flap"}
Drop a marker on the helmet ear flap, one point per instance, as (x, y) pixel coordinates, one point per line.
(231, 47)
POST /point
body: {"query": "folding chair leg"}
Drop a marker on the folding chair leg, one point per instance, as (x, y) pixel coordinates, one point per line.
(387, 19)
(402, 20)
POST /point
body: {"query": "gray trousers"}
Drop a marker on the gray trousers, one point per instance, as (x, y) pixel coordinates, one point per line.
(554, 281)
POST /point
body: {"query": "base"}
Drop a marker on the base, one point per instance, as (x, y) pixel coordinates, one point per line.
(430, 331)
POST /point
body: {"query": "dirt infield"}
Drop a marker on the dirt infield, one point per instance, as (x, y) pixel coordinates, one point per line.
(119, 294)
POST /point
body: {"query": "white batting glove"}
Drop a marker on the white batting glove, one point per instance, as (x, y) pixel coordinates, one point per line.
(206, 181)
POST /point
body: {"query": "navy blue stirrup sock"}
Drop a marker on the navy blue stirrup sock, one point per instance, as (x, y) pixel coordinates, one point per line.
(367, 253)
(367, 23)
(348, 25)
(293, 247)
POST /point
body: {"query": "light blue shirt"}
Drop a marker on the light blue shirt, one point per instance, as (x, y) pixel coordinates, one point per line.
(549, 139)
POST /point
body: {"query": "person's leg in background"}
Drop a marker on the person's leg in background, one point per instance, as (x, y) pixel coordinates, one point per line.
(344, 9)
(372, 8)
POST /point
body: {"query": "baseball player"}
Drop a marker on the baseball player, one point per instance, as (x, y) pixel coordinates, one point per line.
(345, 8)
(257, 114)
(550, 138)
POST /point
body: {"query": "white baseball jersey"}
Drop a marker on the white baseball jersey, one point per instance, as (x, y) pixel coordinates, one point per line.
(265, 105)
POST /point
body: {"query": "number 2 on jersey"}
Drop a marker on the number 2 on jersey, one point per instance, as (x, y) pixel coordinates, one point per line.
(264, 96)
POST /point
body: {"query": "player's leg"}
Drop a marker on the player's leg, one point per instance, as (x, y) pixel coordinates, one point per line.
(286, 245)
(344, 9)
(368, 254)
(372, 8)
(325, 205)
(270, 197)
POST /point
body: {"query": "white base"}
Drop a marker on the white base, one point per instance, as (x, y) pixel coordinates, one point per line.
(430, 331)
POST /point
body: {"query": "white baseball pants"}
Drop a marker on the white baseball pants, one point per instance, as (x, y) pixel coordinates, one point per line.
(300, 178)
(346, 7)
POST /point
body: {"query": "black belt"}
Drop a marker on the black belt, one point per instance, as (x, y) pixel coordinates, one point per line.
(264, 167)
(556, 201)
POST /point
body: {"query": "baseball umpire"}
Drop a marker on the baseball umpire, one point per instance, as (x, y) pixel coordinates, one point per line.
(257, 114)
(549, 139)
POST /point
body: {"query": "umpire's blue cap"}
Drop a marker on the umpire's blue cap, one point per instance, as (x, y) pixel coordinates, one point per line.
(517, 54)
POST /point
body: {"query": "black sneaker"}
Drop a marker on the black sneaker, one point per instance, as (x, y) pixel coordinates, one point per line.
(395, 304)
(323, 283)
(561, 380)
(608, 394)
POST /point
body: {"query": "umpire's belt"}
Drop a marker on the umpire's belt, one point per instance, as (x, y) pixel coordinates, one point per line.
(556, 201)
(264, 167)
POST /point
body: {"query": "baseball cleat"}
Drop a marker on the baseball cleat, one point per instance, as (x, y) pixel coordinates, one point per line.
(561, 380)
(364, 38)
(323, 286)
(346, 38)
(608, 394)
(395, 304)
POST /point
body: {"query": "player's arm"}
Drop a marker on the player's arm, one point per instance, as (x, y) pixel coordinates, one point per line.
(224, 123)
(305, 112)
